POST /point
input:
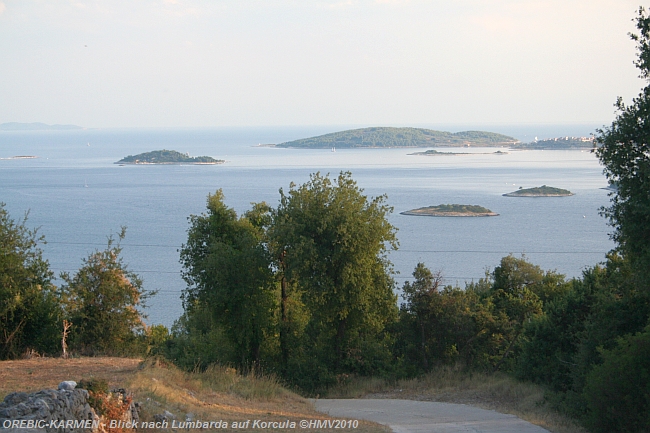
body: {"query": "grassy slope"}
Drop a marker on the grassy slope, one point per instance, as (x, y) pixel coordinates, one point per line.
(217, 394)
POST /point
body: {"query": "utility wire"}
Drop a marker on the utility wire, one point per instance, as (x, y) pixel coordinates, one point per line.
(398, 250)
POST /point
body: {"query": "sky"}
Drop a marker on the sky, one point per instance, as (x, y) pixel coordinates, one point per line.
(221, 63)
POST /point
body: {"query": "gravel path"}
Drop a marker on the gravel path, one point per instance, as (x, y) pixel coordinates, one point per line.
(409, 416)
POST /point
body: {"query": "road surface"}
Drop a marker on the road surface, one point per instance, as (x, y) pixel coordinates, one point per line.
(409, 416)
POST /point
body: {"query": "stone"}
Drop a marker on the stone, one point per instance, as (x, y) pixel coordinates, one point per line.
(67, 385)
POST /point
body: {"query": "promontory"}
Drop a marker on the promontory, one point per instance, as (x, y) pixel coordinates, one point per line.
(384, 137)
(168, 157)
(451, 210)
(540, 191)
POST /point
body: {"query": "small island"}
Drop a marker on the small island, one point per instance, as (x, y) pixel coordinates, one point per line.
(541, 191)
(168, 157)
(451, 210)
(437, 152)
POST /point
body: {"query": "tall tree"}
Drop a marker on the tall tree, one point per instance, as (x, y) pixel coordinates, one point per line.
(29, 309)
(332, 241)
(228, 272)
(102, 300)
(624, 149)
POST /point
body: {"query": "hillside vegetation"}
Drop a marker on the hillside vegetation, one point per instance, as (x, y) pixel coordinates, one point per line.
(559, 143)
(400, 137)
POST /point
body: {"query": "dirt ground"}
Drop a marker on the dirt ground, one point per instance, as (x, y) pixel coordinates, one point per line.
(34, 374)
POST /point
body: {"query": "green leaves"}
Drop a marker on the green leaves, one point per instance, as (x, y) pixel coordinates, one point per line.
(624, 150)
(29, 309)
(228, 272)
(334, 241)
(102, 300)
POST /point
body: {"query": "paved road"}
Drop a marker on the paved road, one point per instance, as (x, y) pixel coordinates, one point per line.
(409, 416)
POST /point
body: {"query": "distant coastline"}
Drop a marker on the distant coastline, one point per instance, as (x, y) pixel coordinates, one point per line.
(21, 157)
(36, 126)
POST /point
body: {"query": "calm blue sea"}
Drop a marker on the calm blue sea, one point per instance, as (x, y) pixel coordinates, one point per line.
(77, 196)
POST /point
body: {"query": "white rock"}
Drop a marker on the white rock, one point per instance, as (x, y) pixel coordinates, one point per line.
(68, 385)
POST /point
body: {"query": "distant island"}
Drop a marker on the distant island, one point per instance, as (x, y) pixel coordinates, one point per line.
(36, 126)
(437, 152)
(22, 157)
(384, 137)
(541, 191)
(451, 210)
(168, 157)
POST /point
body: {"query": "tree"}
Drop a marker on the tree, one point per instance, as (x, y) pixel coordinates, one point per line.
(332, 241)
(228, 273)
(102, 300)
(618, 390)
(624, 150)
(423, 304)
(29, 308)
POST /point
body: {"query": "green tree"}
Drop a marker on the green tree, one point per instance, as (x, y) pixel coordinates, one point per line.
(332, 241)
(29, 308)
(618, 390)
(228, 272)
(446, 322)
(102, 300)
(624, 150)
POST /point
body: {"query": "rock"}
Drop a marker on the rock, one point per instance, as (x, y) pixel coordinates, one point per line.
(67, 385)
(165, 416)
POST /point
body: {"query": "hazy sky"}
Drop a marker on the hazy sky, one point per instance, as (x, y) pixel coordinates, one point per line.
(149, 63)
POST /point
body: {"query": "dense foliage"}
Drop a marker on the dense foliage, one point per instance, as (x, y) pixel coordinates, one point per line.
(304, 289)
(227, 271)
(29, 310)
(400, 137)
(99, 303)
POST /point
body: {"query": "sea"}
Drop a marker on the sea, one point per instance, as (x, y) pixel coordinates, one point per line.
(77, 197)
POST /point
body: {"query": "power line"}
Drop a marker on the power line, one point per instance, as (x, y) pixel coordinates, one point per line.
(398, 250)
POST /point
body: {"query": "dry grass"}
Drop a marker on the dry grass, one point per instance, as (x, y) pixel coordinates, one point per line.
(216, 394)
(498, 392)
(40, 373)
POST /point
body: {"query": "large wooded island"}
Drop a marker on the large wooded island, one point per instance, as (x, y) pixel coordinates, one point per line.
(384, 137)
